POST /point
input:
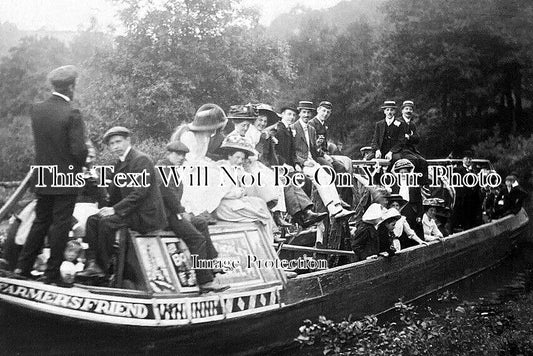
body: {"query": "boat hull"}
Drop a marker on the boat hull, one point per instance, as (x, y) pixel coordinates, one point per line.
(367, 287)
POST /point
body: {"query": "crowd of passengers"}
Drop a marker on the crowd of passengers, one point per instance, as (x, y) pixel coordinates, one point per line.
(254, 138)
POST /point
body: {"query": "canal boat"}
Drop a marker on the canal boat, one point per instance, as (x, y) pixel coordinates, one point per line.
(154, 290)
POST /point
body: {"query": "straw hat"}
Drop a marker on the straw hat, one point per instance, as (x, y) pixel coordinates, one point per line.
(233, 143)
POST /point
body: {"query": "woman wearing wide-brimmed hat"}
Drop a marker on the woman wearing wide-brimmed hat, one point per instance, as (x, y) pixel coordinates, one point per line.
(237, 206)
(198, 199)
(364, 240)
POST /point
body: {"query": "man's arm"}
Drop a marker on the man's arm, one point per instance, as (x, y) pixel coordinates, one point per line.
(131, 202)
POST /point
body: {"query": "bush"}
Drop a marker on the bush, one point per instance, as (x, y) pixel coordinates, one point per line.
(16, 151)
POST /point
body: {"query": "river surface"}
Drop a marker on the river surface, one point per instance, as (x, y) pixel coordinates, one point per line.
(23, 334)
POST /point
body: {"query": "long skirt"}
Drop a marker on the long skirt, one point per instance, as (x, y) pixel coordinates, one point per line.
(245, 209)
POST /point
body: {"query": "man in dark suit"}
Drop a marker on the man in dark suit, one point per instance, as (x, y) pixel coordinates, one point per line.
(306, 153)
(467, 211)
(323, 155)
(59, 134)
(410, 151)
(285, 147)
(134, 202)
(511, 198)
(389, 134)
(193, 230)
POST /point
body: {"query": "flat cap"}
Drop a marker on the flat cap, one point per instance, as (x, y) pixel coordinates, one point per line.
(326, 104)
(177, 146)
(116, 131)
(63, 75)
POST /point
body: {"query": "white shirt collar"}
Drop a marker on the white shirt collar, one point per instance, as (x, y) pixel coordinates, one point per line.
(407, 119)
(123, 157)
(389, 121)
(304, 125)
(67, 99)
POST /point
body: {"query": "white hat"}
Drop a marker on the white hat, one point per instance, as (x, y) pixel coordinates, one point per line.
(373, 214)
(391, 214)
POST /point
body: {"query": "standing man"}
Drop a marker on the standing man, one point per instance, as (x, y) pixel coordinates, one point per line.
(389, 134)
(136, 205)
(59, 134)
(410, 151)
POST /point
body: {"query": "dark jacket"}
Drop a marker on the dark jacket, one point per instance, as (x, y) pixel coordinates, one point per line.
(320, 130)
(215, 142)
(365, 241)
(510, 202)
(414, 138)
(285, 147)
(141, 207)
(301, 148)
(172, 194)
(59, 135)
(399, 130)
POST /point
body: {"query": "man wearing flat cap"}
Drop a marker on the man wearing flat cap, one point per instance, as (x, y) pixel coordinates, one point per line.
(132, 203)
(59, 135)
(192, 229)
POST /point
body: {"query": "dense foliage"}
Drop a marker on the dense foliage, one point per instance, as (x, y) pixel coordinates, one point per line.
(467, 66)
(468, 329)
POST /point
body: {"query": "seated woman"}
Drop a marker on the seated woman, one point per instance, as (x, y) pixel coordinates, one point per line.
(364, 239)
(429, 222)
(402, 230)
(236, 206)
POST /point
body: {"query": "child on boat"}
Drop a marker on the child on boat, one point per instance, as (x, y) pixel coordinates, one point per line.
(71, 265)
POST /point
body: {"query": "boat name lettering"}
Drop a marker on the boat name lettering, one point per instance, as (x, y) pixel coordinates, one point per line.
(98, 306)
(173, 311)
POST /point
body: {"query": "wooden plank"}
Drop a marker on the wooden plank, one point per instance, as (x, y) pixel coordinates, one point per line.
(15, 197)
(317, 250)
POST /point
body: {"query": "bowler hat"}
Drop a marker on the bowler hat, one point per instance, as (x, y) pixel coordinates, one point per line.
(62, 76)
(288, 107)
(408, 103)
(389, 104)
(268, 111)
(307, 105)
(373, 214)
(207, 118)
(326, 104)
(243, 112)
(402, 164)
(234, 143)
(116, 131)
(177, 146)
